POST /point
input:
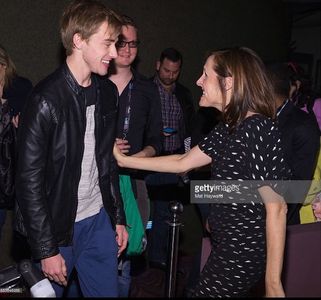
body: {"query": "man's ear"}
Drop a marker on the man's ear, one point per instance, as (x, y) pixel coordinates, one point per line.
(228, 83)
(77, 41)
(157, 65)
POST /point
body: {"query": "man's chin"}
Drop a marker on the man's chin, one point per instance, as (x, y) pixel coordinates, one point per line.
(102, 72)
(167, 83)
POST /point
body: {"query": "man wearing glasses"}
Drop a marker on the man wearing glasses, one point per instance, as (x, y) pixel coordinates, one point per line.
(139, 125)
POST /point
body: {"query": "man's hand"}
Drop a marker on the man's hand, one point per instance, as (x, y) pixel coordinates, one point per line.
(121, 238)
(54, 268)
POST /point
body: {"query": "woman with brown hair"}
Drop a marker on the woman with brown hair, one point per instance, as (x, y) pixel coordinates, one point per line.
(247, 231)
(13, 87)
(14, 90)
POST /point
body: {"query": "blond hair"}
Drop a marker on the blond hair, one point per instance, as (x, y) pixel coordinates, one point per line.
(85, 17)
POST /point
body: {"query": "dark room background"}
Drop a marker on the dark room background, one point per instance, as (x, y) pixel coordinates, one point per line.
(29, 29)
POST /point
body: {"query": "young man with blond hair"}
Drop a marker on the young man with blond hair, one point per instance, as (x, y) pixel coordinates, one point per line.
(67, 183)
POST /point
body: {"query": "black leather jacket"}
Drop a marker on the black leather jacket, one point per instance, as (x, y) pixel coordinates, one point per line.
(51, 146)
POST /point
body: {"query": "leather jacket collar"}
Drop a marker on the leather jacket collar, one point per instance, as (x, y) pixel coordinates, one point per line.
(72, 82)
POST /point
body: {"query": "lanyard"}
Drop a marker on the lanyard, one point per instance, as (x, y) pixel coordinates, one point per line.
(127, 111)
(282, 107)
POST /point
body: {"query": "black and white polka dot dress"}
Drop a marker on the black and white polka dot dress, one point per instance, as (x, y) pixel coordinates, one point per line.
(252, 152)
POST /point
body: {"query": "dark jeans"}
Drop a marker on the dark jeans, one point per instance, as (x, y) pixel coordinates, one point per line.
(124, 276)
(94, 255)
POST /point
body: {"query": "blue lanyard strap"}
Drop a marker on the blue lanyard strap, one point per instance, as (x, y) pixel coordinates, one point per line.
(282, 107)
(127, 111)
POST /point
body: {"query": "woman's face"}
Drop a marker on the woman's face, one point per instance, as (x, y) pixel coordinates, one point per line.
(212, 95)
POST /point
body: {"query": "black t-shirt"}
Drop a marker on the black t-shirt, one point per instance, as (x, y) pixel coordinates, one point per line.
(90, 94)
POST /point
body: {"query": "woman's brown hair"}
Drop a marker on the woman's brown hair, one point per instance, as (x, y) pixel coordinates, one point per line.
(251, 90)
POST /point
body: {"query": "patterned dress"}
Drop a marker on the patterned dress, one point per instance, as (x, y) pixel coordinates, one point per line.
(251, 152)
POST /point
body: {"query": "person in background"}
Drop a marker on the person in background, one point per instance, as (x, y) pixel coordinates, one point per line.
(316, 207)
(307, 99)
(139, 125)
(302, 93)
(7, 159)
(316, 109)
(70, 207)
(248, 228)
(14, 90)
(177, 115)
(300, 138)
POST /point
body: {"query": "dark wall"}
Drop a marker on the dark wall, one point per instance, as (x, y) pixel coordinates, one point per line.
(29, 29)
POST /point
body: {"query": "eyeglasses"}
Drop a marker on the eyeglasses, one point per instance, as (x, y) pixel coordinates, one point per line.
(123, 44)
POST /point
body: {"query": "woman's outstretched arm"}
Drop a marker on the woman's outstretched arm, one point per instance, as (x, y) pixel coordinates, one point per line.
(177, 163)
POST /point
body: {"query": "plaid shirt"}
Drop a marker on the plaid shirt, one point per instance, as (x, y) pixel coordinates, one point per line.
(172, 116)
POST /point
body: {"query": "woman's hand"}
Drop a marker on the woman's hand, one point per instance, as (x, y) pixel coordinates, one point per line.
(118, 154)
(123, 145)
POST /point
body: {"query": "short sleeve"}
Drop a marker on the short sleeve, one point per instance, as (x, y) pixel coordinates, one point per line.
(266, 160)
(211, 143)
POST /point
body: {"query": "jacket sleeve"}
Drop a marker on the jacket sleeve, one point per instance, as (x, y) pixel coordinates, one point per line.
(33, 145)
(153, 135)
(110, 92)
(306, 148)
(120, 218)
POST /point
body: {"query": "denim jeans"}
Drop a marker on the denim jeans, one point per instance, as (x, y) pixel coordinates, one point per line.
(94, 255)
(124, 277)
